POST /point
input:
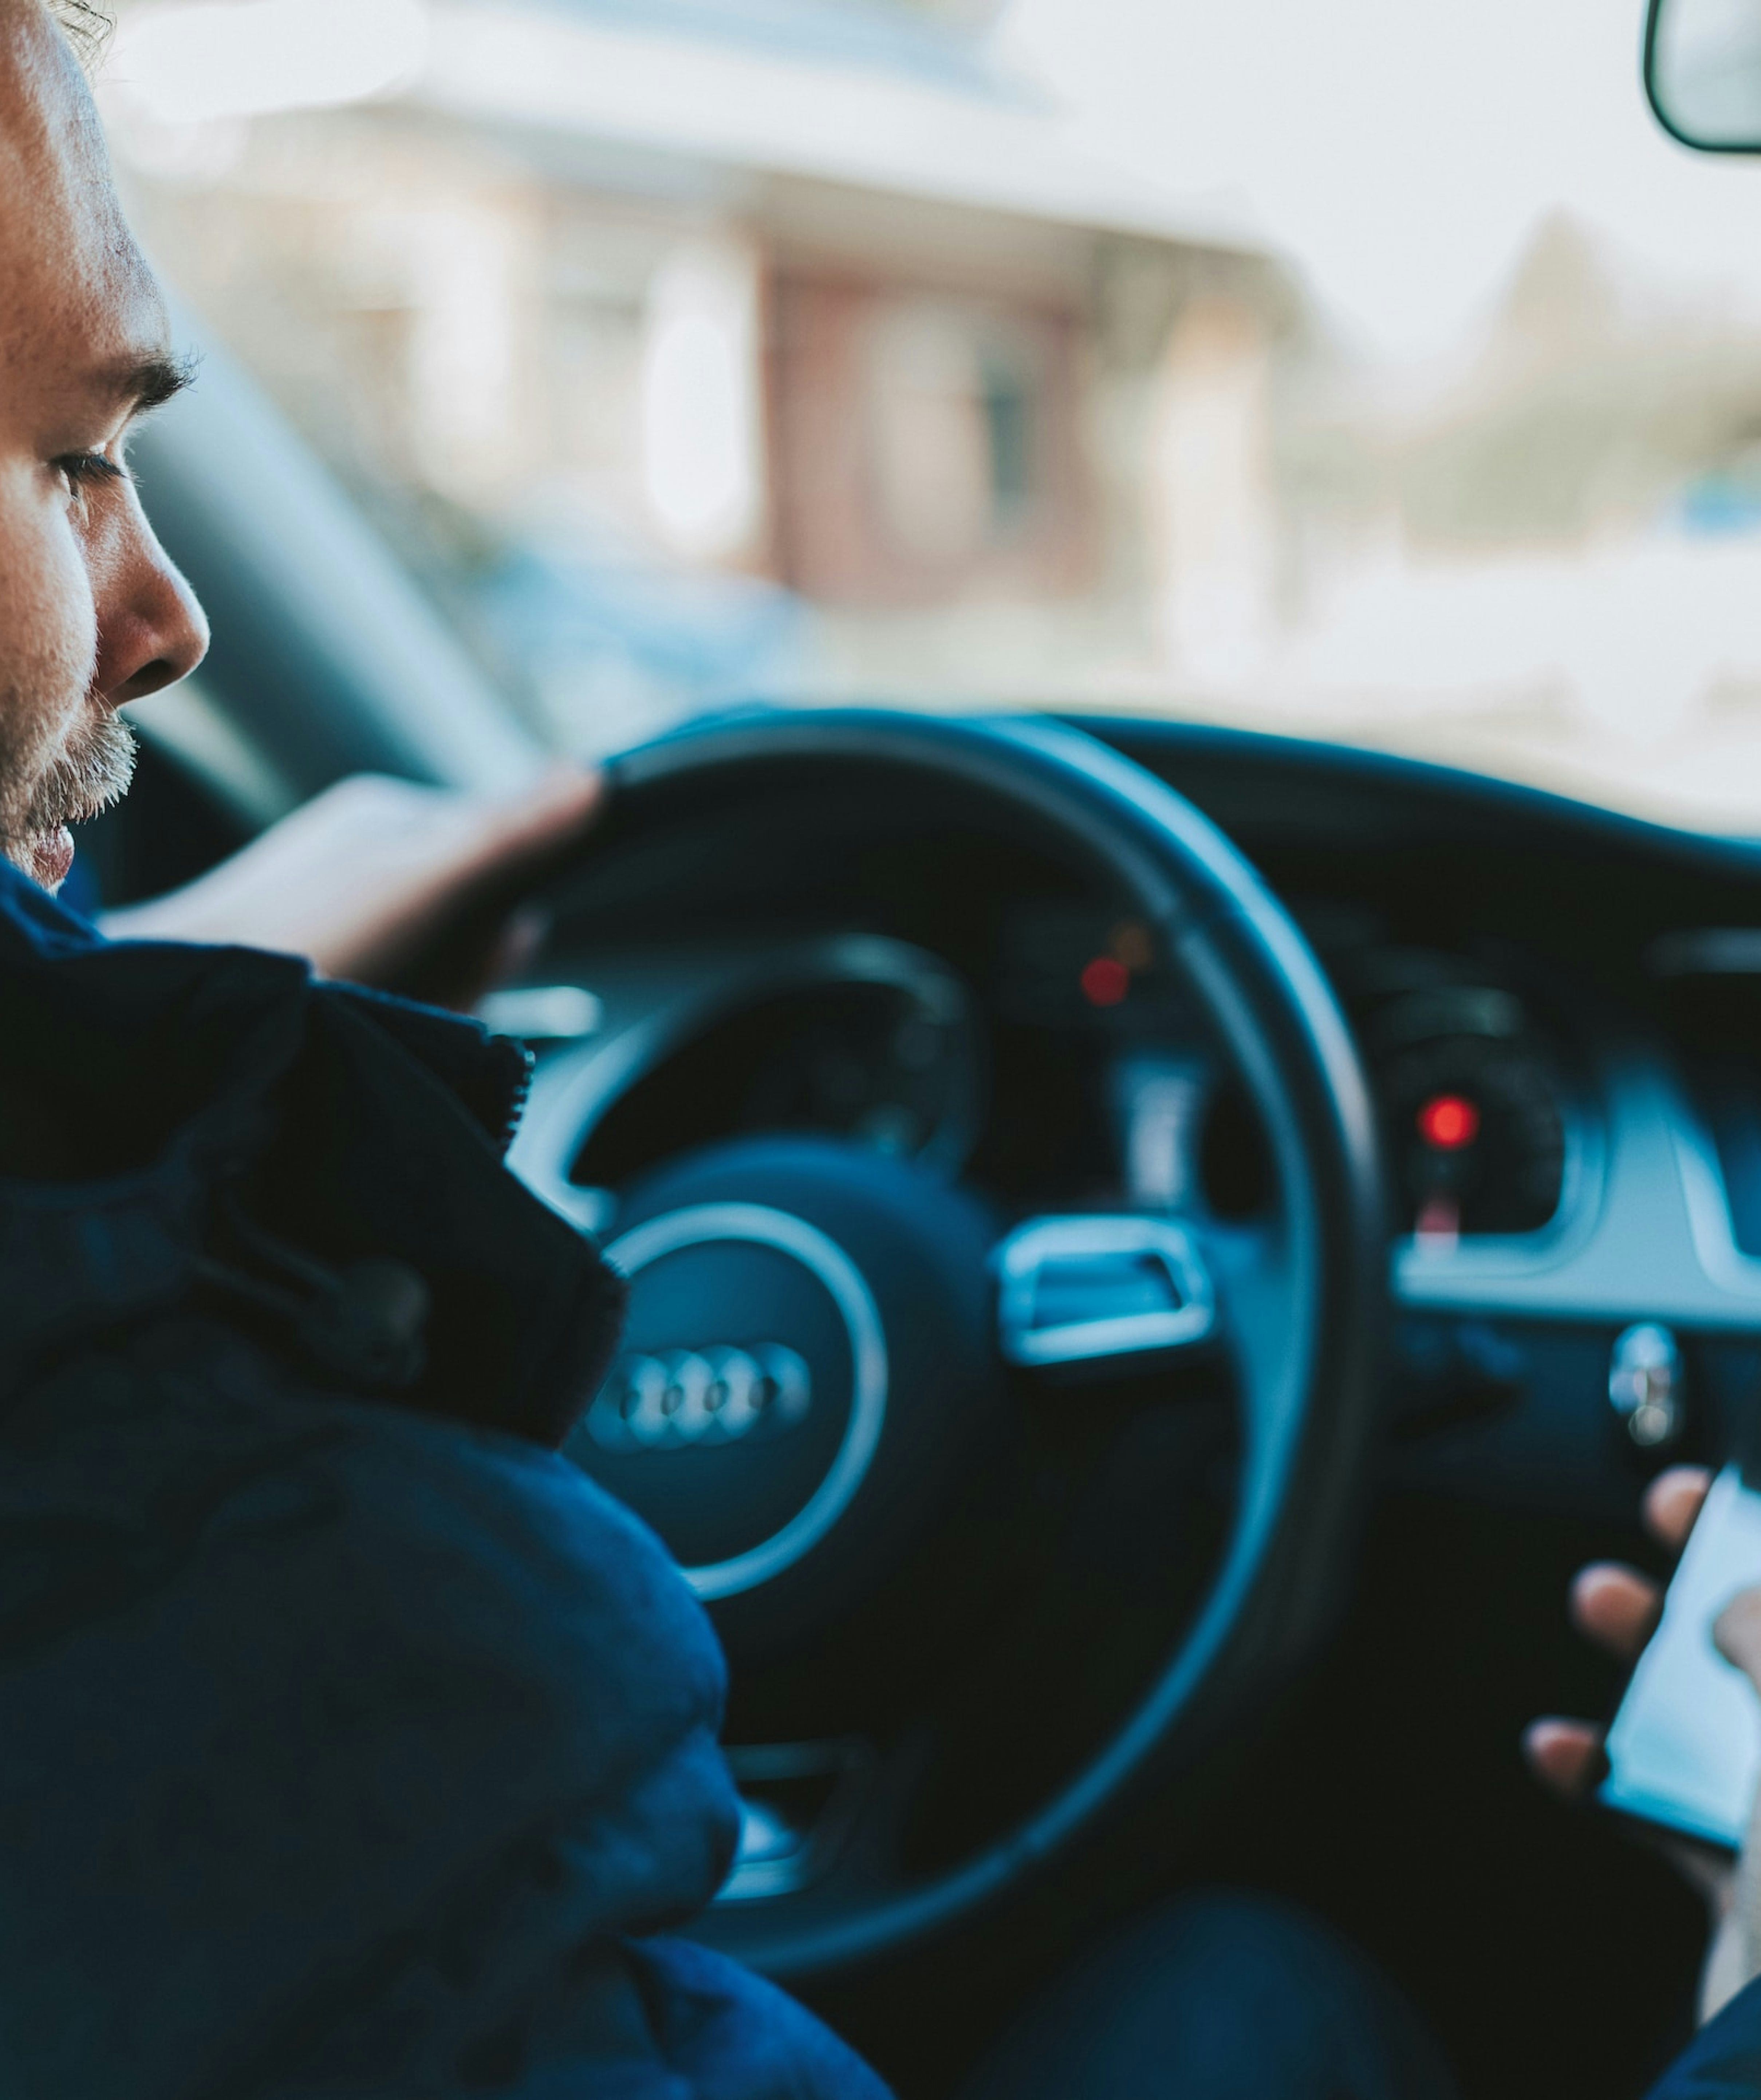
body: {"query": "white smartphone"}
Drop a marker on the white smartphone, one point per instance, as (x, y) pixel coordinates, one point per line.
(1685, 1748)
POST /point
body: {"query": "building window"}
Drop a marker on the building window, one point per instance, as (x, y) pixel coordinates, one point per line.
(926, 445)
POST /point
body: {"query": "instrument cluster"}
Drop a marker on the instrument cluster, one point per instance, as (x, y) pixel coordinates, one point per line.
(1472, 1091)
(1074, 1071)
(870, 1040)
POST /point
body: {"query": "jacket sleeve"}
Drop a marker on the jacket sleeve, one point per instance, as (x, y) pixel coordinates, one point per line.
(730, 2035)
(1723, 2060)
(346, 1752)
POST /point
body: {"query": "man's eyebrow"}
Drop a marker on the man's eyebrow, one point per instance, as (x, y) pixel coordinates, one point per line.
(154, 380)
(148, 382)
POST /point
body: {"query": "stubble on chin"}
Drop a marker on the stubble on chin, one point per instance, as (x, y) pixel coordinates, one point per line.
(48, 782)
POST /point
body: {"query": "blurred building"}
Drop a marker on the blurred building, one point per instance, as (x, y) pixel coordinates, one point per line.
(1592, 404)
(699, 345)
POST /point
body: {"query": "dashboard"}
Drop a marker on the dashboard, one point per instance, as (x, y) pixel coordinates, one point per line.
(1559, 1012)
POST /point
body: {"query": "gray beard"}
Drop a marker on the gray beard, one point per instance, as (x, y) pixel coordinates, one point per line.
(90, 772)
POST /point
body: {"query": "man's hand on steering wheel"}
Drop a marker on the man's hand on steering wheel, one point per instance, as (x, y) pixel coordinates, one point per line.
(386, 883)
(1619, 1608)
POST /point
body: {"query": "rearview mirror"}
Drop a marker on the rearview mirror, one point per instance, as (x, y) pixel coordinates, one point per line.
(1702, 72)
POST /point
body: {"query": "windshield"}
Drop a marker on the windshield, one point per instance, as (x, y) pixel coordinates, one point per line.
(1361, 371)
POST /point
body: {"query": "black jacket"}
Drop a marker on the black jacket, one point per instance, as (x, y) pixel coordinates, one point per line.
(351, 1741)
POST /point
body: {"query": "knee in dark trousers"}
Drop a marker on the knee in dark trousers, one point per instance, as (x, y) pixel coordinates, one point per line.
(1219, 1996)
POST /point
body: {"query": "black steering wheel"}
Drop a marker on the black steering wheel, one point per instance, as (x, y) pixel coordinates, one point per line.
(819, 1333)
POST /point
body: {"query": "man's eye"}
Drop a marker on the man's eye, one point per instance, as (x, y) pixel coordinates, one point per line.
(81, 469)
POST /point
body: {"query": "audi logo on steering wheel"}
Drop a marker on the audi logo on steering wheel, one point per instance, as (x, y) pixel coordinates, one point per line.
(678, 1397)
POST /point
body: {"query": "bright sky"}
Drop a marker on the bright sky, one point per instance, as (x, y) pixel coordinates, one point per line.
(1401, 150)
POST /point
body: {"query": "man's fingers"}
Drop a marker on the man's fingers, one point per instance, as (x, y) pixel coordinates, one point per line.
(1672, 1501)
(1565, 1756)
(1616, 1606)
(374, 872)
(1736, 1631)
(562, 802)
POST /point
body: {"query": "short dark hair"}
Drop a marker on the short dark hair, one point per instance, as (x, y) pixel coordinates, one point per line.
(86, 27)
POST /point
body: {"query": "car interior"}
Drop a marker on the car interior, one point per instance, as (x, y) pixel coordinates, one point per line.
(1302, 1195)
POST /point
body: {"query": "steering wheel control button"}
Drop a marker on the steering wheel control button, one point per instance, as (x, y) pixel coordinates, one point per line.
(700, 1395)
(1089, 1291)
(1645, 1385)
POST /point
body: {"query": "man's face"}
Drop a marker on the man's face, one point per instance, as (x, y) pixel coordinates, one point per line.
(91, 612)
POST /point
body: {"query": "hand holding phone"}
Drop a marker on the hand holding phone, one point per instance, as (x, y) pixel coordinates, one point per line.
(1621, 1609)
(1684, 1750)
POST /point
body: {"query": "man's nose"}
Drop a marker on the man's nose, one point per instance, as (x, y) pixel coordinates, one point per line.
(152, 630)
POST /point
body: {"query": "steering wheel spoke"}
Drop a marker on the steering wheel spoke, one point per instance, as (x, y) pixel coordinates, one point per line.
(1100, 1290)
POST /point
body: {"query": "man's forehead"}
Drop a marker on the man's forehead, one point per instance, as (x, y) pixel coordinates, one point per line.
(94, 326)
(77, 301)
(123, 330)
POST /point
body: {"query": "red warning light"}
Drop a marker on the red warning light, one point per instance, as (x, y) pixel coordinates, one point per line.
(1105, 981)
(1448, 1121)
